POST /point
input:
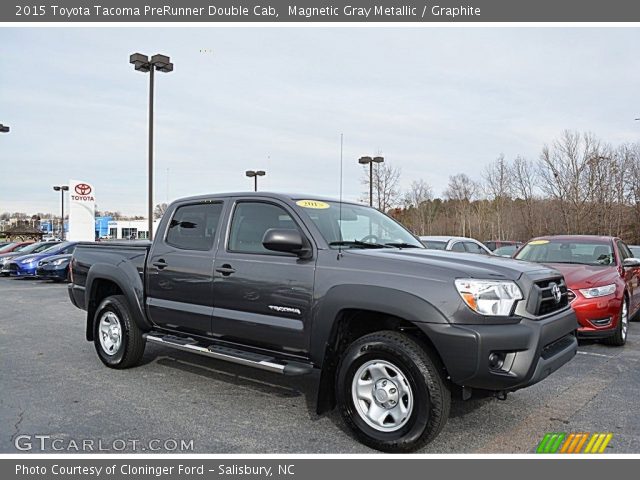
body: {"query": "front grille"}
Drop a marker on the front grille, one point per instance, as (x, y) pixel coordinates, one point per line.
(542, 300)
(13, 267)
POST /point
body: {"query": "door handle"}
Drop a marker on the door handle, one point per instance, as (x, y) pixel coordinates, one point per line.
(160, 264)
(226, 270)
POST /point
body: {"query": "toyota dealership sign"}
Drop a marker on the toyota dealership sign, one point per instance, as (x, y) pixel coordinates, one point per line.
(82, 211)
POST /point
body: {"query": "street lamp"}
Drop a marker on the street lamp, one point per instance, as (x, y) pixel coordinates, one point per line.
(4, 128)
(255, 174)
(141, 63)
(370, 161)
(61, 189)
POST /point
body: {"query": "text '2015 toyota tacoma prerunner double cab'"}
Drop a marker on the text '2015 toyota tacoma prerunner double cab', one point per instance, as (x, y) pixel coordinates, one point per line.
(297, 285)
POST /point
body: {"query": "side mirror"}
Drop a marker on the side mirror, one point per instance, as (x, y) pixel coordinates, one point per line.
(288, 240)
(631, 263)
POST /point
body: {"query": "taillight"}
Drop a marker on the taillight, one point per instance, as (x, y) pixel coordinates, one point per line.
(71, 270)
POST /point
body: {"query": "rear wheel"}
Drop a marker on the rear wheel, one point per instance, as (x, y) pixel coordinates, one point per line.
(619, 338)
(391, 392)
(117, 338)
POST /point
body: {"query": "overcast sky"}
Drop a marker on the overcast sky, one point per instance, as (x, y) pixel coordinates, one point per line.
(433, 101)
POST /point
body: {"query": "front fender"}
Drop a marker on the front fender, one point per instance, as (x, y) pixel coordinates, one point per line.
(385, 300)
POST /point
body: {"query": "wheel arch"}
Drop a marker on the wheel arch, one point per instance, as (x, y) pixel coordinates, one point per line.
(353, 311)
(104, 280)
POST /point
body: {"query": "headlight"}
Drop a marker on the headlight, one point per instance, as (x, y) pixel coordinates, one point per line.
(59, 262)
(489, 297)
(27, 260)
(598, 291)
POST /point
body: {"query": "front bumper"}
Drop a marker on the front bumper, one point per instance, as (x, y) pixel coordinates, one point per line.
(532, 350)
(598, 317)
(49, 272)
(18, 269)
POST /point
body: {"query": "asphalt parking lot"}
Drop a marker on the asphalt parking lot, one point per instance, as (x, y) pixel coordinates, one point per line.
(53, 384)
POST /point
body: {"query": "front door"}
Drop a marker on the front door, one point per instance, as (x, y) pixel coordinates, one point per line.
(261, 296)
(631, 277)
(180, 269)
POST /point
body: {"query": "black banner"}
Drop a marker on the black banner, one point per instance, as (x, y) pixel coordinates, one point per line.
(361, 11)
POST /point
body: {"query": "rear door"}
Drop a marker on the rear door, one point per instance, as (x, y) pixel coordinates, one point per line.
(180, 268)
(262, 297)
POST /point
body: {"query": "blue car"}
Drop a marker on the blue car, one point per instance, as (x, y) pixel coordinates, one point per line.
(26, 265)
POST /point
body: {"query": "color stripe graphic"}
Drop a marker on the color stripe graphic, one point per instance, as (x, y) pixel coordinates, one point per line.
(557, 442)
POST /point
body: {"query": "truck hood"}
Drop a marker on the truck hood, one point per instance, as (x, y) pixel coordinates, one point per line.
(586, 276)
(460, 264)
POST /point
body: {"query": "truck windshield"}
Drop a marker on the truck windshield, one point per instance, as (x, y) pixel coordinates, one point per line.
(567, 251)
(357, 226)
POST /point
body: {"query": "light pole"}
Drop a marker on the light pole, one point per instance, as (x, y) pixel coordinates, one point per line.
(141, 63)
(61, 189)
(255, 174)
(370, 161)
(4, 128)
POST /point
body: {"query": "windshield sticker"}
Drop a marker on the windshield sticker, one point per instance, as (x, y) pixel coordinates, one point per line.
(538, 242)
(312, 204)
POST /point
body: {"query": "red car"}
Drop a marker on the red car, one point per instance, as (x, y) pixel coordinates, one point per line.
(11, 247)
(602, 277)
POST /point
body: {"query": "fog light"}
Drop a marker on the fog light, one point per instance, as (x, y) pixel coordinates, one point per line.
(496, 361)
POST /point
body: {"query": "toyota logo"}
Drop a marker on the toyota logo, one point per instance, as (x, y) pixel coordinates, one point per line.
(555, 291)
(83, 189)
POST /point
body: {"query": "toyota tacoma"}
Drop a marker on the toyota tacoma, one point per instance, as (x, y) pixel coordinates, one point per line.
(300, 285)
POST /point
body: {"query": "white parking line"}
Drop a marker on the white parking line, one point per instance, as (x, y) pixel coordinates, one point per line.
(595, 354)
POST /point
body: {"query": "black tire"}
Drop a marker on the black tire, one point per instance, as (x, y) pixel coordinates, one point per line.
(132, 343)
(619, 338)
(431, 393)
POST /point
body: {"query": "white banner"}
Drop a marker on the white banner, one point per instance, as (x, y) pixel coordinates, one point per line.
(82, 212)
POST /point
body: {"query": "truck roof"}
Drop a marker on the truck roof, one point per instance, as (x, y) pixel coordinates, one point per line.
(278, 195)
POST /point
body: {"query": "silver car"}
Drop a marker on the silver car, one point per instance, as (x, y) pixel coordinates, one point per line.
(455, 244)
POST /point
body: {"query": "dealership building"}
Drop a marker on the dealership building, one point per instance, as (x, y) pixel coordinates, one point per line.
(107, 227)
(123, 229)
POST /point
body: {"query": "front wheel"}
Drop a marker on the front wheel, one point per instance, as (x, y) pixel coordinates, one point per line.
(619, 338)
(391, 392)
(117, 338)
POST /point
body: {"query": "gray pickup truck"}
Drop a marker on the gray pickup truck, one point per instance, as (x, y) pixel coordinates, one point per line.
(299, 285)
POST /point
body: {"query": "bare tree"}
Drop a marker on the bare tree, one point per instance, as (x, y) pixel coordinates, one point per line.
(524, 178)
(498, 183)
(461, 191)
(159, 210)
(567, 174)
(418, 201)
(386, 179)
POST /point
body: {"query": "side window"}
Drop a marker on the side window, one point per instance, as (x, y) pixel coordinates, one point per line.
(624, 250)
(250, 222)
(474, 248)
(194, 227)
(458, 247)
(69, 249)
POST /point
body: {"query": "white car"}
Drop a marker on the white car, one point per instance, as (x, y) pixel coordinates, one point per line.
(455, 244)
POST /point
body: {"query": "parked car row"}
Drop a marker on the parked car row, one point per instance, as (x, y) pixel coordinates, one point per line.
(46, 260)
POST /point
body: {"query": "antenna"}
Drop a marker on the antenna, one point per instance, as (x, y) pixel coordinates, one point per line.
(340, 204)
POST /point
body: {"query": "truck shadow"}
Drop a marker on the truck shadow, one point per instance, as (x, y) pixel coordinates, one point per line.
(237, 375)
(277, 385)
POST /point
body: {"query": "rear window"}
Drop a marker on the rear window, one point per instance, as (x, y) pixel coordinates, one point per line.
(193, 227)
